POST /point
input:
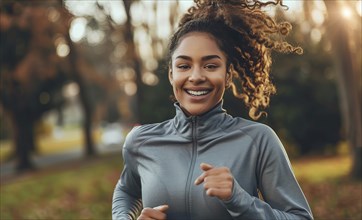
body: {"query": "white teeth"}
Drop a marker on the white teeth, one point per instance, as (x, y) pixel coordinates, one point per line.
(197, 93)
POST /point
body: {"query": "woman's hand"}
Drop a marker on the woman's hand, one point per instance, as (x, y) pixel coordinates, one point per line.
(156, 213)
(218, 181)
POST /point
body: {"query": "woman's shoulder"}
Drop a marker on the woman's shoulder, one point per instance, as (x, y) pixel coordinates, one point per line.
(151, 129)
(263, 136)
(253, 128)
(140, 133)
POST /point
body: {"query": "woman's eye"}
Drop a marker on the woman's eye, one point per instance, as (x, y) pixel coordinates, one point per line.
(183, 67)
(211, 66)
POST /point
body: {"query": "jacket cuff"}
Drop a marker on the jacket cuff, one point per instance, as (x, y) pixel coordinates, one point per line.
(239, 202)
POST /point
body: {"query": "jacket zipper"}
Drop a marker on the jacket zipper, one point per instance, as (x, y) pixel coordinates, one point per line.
(192, 166)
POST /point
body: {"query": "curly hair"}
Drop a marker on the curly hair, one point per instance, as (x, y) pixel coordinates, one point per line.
(246, 35)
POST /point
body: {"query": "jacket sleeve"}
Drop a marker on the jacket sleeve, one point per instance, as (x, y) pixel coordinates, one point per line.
(282, 195)
(127, 202)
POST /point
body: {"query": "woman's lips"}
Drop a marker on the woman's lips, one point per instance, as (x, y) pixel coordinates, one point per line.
(198, 92)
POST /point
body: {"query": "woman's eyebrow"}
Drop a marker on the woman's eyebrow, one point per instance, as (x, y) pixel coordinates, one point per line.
(210, 57)
(205, 58)
(184, 57)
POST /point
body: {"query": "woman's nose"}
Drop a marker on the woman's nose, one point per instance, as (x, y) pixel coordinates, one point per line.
(197, 75)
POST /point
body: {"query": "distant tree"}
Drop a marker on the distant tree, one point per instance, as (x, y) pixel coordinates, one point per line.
(37, 60)
(346, 39)
(304, 109)
(138, 62)
(158, 102)
(343, 33)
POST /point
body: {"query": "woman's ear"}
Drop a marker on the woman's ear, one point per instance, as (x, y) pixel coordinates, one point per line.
(170, 77)
(228, 80)
(229, 76)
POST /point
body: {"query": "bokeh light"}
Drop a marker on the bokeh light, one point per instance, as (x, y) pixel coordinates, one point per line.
(359, 7)
(130, 88)
(346, 12)
(63, 50)
(150, 78)
(77, 29)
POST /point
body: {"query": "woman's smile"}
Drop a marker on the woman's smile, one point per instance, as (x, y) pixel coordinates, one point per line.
(197, 92)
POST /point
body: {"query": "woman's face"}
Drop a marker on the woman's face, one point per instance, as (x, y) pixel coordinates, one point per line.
(198, 73)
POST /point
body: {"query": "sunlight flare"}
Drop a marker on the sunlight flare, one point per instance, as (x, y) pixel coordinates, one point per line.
(346, 12)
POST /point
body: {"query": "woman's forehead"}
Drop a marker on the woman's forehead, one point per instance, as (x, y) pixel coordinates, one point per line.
(198, 44)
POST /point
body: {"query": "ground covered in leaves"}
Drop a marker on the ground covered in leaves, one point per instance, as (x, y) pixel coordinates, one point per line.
(83, 190)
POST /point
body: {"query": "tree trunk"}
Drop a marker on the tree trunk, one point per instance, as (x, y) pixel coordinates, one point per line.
(24, 141)
(349, 81)
(84, 97)
(134, 60)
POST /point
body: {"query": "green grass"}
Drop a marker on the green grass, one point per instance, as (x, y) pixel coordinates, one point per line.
(83, 190)
(75, 191)
(319, 169)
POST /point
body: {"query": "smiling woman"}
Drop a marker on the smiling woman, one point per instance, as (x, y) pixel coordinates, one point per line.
(203, 163)
(198, 73)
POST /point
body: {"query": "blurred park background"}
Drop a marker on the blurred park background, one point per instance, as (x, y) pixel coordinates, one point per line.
(77, 75)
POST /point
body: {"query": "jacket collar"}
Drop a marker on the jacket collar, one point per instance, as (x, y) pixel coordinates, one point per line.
(206, 124)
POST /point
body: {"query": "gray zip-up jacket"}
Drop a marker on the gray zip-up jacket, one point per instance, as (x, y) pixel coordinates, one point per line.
(161, 163)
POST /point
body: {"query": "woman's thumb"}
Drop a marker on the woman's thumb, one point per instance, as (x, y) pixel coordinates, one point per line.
(161, 208)
(206, 166)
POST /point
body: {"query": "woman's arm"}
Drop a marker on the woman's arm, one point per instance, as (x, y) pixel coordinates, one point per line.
(244, 206)
(282, 196)
(124, 205)
(127, 198)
